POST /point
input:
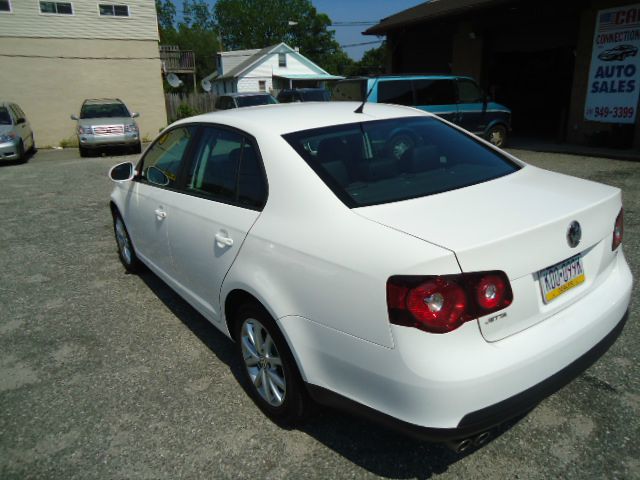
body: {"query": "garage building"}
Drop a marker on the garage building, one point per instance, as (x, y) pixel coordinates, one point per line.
(570, 70)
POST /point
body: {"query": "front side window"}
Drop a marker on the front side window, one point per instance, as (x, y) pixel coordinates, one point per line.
(161, 164)
(468, 92)
(435, 92)
(398, 92)
(5, 6)
(384, 161)
(56, 8)
(109, 10)
(226, 168)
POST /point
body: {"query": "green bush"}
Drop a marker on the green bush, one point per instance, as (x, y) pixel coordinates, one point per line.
(185, 110)
(69, 142)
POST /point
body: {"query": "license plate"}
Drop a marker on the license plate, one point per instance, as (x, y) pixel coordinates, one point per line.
(561, 277)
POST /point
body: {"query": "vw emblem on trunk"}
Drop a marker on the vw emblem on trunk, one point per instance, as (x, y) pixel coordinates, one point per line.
(574, 234)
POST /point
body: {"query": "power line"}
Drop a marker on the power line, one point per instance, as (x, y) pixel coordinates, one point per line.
(363, 43)
(352, 24)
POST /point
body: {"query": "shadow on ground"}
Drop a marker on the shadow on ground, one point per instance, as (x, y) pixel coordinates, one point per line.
(374, 448)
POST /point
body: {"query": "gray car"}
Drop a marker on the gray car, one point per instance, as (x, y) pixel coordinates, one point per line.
(16, 136)
(228, 101)
(106, 122)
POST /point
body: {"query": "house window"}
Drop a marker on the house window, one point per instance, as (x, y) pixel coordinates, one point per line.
(108, 10)
(56, 8)
(5, 5)
(263, 85)
(282, 59)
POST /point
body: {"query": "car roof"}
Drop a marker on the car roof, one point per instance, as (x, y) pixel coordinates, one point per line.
(244, 94)
(292, 117)
(430, 76)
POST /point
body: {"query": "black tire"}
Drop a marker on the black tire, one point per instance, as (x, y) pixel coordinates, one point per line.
(497, 135)
(83, 152)
(126, 252)
(293, 397)
(137, 149)
(399, 145)
(22, 155)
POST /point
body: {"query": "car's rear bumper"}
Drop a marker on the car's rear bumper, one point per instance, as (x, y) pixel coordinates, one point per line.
(101, 141)
(9, 150)
(486, 418)
(452, 385)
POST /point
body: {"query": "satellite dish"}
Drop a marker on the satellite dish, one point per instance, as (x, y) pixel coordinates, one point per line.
(173, 80)
(206, 85)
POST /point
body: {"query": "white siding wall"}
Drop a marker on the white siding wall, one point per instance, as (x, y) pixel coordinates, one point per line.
(251, 84)
(269, 67)
(26, 21)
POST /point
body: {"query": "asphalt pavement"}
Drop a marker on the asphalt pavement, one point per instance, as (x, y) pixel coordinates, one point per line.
(110, 375)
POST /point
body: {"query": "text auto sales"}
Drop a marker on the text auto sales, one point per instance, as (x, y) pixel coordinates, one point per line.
(619, 79)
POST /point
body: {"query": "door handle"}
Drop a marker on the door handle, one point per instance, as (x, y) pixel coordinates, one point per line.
(160, 214)
(223, 240)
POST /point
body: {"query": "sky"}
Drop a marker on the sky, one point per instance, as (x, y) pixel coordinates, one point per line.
(353, 11)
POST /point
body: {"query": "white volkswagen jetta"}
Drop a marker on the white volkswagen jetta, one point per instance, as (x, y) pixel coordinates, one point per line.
(385, 261)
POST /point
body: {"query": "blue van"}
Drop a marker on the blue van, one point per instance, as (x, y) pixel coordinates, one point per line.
(457, 99)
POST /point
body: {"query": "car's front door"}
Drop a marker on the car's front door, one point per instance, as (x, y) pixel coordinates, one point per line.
(472, 110)
(155, 193)
(225, 190)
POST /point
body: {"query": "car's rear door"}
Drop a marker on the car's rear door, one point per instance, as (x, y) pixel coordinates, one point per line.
(224, 192)
(437, 95)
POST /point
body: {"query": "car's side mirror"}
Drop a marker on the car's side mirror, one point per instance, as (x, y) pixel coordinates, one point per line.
(135, 115)
(122, 172)
(157, 176)
(74, 117)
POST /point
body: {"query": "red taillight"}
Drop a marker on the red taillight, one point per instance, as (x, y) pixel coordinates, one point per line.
(440, 304)
(618, 230)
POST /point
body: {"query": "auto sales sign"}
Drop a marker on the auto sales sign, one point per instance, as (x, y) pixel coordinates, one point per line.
(614, 77)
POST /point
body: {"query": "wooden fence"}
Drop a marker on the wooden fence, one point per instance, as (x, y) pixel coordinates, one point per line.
(192, 104)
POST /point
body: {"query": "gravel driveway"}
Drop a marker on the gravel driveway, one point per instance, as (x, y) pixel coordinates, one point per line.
(108, 375)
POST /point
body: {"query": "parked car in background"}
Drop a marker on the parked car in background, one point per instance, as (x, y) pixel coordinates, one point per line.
(227, 101)
(303, 95)
(16, 136)
(457, 99)
(439, 292)
(106, 123)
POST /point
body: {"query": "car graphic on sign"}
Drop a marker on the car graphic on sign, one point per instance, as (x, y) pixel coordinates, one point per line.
(618, 53)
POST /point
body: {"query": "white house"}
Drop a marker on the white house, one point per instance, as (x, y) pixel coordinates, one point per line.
(55, 54)
(270, 69)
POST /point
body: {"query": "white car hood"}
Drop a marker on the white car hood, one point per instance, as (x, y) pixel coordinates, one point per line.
(517, 223)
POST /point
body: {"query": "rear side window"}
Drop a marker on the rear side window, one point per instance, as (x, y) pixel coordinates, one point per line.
(227, 168)
(161, 164)
(350, 90)
(384, 161)
(398, 92)
(434, 92)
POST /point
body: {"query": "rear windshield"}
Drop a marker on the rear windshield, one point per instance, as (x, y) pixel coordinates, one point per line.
(384, 161)
(349, 90)
(103, 110)
(251, 100)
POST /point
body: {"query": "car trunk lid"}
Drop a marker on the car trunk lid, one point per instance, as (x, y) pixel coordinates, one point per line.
(518, 224)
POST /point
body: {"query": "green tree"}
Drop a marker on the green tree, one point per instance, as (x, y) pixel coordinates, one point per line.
(247, 24)
(373, 61)
(195, 32)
